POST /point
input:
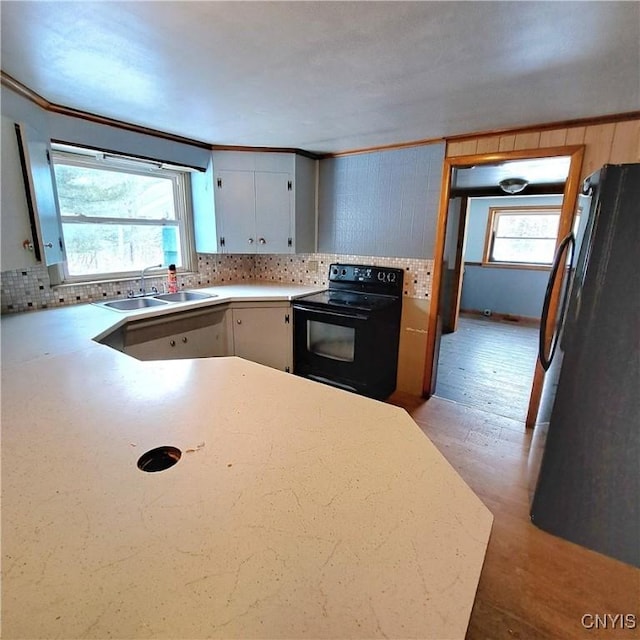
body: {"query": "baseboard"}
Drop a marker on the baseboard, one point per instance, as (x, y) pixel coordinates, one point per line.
(502, 317)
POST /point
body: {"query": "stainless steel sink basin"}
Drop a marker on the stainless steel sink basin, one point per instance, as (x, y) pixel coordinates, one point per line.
(184, 296)
(128, 304)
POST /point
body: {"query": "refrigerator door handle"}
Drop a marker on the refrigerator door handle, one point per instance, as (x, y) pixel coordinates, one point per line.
(568, 244)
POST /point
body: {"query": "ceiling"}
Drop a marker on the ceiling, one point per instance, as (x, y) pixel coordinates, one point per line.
(327, 76)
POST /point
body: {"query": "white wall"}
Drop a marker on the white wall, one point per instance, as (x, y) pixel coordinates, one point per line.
(510, 291)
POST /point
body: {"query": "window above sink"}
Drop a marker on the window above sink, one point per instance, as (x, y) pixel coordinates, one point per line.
(119, 214)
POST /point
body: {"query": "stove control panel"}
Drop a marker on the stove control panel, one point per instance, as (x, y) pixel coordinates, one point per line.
(384, 277)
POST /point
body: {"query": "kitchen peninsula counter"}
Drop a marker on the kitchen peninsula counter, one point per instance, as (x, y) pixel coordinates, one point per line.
(295, 511)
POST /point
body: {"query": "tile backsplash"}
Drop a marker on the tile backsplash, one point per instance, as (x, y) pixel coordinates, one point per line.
(30, 288)
(313, 269)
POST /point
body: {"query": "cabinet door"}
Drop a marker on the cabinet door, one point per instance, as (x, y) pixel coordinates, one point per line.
(236, 210)
(205, 342)
(189, 335)
(273, 212)
(16, 227)
(41, 192)
(263, 335)
(204, 217)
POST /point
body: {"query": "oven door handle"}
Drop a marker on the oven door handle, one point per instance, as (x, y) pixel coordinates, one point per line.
(326, 312)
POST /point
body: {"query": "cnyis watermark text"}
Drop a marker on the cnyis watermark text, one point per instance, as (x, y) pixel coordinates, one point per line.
(609, 621)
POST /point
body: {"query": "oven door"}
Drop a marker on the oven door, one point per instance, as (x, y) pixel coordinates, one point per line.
(334, 346)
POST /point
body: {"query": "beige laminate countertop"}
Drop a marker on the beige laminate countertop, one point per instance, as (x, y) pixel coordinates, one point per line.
(296, 511)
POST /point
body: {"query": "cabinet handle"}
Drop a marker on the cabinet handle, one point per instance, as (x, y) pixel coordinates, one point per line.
(49, 245)
(250, 240)
(262, 241)
(238, 321)
(172, 343)
(184, 340)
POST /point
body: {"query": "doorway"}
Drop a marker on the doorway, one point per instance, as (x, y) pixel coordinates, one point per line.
(489, 326)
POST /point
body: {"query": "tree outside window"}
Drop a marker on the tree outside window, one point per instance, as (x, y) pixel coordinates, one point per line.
(522, 235)
(119, 217)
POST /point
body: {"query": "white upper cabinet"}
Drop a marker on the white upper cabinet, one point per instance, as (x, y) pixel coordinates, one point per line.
(42, 198)
(262, 203)
(235, 204)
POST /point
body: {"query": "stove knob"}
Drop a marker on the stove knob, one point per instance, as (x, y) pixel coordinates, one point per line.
(344, 272)
(334, 272)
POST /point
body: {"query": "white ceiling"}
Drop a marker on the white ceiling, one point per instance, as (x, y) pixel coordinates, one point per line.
(327, 76)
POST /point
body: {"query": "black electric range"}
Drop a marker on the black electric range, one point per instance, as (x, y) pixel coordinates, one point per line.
(348, 335)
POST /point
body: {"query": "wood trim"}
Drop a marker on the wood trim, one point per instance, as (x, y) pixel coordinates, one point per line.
(508, 139)
(547, 126)
(300, 152)
(521, 267)
(383, 147)
(429, 379)
(126, 126)
(24, 91)
(502, 317)
(569, 202)
(491, 224)
(514, 138)
(514, 265)
(458, 267)
(572, 189)
(626, 143)
(488, 232)
(521, 154)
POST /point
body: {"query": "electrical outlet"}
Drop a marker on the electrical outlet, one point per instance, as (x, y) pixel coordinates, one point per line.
(312, 265)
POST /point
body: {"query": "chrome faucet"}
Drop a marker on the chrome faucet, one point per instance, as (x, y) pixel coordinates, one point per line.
(142, 275)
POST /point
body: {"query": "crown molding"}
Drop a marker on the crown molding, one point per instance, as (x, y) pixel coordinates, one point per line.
(29, 94)
(17, 87)
(547, 126)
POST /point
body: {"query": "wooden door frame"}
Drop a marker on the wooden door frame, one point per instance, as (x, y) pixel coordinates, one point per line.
(459, 262)
(570, 196)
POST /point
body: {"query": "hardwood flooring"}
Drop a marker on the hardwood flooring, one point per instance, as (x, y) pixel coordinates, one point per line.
(533, 585)
(489, 365)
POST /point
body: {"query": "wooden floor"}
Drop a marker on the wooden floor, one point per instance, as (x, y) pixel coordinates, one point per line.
(533, 585)
(489, 365)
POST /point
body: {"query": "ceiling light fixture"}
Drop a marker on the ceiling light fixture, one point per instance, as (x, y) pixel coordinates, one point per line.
(513, 185)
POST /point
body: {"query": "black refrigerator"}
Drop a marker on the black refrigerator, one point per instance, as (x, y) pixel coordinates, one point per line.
(588, 489)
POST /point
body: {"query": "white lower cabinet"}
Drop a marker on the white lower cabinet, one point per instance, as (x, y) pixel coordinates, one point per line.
(263, 335)
(260, 333)
(195, 334)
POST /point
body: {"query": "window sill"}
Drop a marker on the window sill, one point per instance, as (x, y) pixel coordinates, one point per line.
(513, 265)
(80, 283)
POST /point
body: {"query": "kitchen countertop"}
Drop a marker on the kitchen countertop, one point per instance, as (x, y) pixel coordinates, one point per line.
(73, 327)
(296, 510)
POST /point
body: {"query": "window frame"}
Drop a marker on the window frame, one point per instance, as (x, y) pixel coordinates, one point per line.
(492, 221)
(64, 154)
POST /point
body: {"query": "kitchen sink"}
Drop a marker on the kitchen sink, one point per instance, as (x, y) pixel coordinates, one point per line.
(128, 304)
(184, 296)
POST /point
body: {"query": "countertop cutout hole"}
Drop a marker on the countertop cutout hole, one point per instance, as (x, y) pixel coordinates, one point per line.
(159, 459)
